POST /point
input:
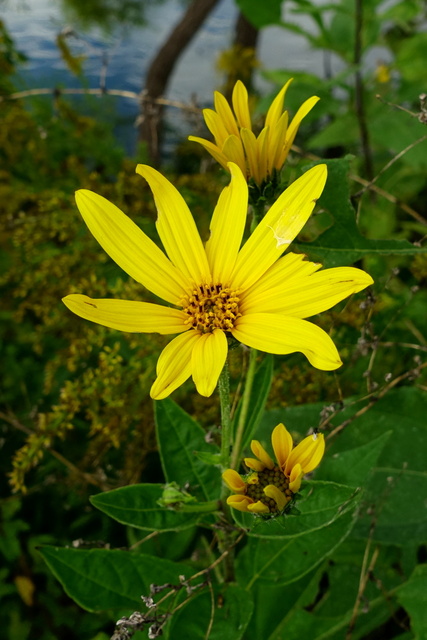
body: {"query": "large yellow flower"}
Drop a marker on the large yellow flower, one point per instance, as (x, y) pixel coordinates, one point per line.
(218, 290)
(257, 156)
(270, 487)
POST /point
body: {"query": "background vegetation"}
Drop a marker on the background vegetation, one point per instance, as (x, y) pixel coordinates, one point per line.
(76, 416)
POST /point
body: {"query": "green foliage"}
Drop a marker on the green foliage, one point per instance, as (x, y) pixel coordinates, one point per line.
(347, 559)
(138, 506)
(179, 437)
(342, 243)
(100, 579)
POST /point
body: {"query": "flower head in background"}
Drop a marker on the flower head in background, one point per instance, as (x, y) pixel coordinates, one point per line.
(270, 487)
(259, 157)
(221, 289)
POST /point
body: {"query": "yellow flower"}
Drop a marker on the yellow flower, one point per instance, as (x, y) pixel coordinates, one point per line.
(218, 290)
(270, 486)
(259, 157)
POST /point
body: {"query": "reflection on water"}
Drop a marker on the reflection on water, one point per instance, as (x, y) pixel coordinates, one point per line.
(125, 52)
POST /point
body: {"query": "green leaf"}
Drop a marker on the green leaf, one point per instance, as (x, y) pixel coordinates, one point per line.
(208, 458)
(261, 388)
(231, 614)
(179, 436)
(101, 579)
(282, 561)
(400, 470)
(261, 14)
(342, 243)
(137, 506)
(321, 504)
(353, 467)
(413, 597)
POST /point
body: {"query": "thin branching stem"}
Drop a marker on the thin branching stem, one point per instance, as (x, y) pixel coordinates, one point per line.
(250, 376)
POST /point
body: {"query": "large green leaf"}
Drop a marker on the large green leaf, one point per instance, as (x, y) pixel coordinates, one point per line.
(396, 490)
(101, 579)
(137, 506)
(413, 596)
(282, 561)
(354, 466)
(179, 437)
(321, 504)
(342, 243)
(230, 611)
(261, 388)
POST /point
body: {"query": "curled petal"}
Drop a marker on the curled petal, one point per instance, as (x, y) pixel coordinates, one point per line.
(295, 478)
(254, 464)
(239, 502)
(212, 148)
(308, 453)
(282, 443)
(271, 491)
(258, 507)
(259, 451)
(234, 481)
(274, 333)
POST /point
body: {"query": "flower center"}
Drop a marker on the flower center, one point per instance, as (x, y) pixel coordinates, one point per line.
(269, 476)
(212, 306)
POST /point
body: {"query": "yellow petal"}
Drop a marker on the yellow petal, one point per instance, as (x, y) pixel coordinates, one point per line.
(274, 333)
(176, 227)
(259, 451)
(271, 491)
(250, 146)
(216, 126)
(215, 151)
(233, 150)
(308, 295)
(280, 275)
(304, 109)
(127, 315)
(276, 142)
(234, 481)
(227, 226)
(308, 453)
(239, 502)
(174, 365)
(241, 106)
(281, 440)
(258, 507)
(295, 478)
(262, 154)
(279, 227)
(224, 111)
(254, 464)
(130, 248)
(276, 108)
(207, 361)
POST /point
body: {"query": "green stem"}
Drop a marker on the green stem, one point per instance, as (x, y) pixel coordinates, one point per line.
(202, 507)
(235, 455)
(226, 426)
(226, 535)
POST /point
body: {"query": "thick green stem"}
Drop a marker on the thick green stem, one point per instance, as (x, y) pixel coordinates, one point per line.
(226, 427)
(235, 455)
